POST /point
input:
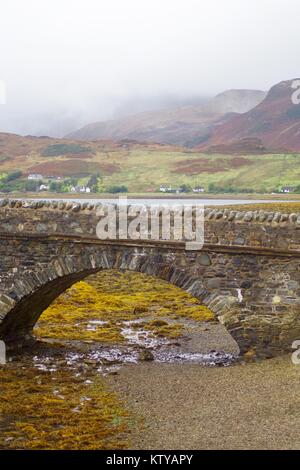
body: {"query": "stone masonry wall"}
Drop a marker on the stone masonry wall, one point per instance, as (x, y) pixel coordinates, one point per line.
(260, 229)
(248, 272)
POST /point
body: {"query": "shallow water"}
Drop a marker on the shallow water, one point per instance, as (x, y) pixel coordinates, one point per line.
(140, 345)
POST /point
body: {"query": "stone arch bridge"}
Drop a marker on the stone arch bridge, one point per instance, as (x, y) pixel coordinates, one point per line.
(247, 273)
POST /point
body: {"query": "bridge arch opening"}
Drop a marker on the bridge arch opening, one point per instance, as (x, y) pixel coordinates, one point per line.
(262, 318)
(133, 309)
(41, 287)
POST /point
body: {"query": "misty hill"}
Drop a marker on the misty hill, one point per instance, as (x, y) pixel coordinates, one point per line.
(185, 126)
(273, 124)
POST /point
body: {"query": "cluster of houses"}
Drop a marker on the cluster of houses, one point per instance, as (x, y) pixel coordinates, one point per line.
(45, 187)
(168, 189)
(164, 188)
(39, 177)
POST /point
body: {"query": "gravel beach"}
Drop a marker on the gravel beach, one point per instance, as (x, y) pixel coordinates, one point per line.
(188, 406)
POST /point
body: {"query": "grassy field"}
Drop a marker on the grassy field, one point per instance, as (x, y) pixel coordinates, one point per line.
(143, 168)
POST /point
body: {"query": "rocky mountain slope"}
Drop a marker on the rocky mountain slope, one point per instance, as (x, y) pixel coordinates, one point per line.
(274, 123)
(185, 126)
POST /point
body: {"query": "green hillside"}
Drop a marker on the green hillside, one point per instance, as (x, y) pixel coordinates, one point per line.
(141, 168)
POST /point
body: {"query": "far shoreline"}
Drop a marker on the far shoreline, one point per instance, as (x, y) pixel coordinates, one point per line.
(290, 197)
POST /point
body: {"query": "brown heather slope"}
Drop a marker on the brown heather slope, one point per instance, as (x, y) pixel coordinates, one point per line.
(185, 126)
(274, 124)
(65, 157)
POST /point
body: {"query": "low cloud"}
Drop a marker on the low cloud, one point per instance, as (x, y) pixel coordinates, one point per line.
(66, 63)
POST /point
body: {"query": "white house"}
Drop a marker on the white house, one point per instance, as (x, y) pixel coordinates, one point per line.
(198, 189)
(80, 189)
(35, 176)
(165, 188)
(287, 189)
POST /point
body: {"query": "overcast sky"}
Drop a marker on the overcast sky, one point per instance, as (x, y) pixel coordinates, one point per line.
(68, 62)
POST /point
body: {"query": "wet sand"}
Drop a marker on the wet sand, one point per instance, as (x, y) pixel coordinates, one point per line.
(188, 406)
